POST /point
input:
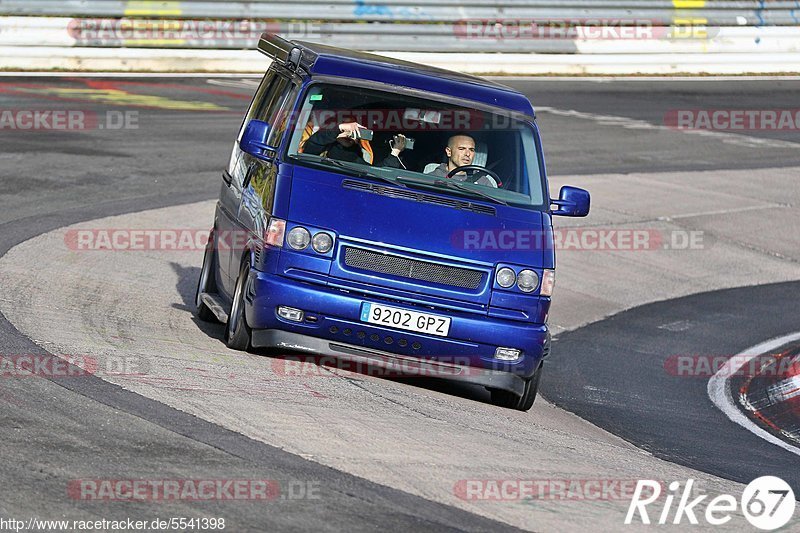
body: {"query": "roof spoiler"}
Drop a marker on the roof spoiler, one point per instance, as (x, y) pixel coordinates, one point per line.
(281, 50)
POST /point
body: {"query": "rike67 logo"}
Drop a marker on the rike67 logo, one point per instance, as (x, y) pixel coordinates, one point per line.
(767, 503)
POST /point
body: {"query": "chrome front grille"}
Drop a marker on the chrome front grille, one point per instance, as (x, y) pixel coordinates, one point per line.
(412, 268)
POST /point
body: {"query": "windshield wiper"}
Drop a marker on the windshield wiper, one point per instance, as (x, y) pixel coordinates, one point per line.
(363, 172)
(356, 168)
(452, 184)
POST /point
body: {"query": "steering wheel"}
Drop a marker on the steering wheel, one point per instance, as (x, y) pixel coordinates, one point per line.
(475, 169)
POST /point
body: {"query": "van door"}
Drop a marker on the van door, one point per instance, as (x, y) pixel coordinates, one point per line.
(229, 230)
(258, 195)
(267, 101)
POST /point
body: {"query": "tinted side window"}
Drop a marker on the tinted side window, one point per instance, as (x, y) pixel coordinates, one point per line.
(266, 105)
(266, 83)
(263, 177)
(279, 115)
(268, 102)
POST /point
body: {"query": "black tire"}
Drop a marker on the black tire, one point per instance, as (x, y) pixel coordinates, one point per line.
(509, 400)
(237, 332)
(207, 282)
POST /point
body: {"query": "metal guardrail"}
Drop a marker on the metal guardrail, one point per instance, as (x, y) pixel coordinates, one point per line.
(714, 12)
(533, 36)
(43, 58)
(446, 37)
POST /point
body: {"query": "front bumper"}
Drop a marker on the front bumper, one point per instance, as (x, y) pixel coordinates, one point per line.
(333, 319)
(393, 364)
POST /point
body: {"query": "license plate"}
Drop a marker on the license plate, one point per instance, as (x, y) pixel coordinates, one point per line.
(394, 317)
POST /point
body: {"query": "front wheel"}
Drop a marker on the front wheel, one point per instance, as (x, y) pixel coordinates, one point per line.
(237, 334)
(509, 400)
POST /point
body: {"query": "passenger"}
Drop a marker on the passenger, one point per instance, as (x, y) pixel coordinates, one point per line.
(339, 143)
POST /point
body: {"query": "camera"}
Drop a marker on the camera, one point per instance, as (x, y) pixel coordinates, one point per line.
(409, 141)
(362, 133)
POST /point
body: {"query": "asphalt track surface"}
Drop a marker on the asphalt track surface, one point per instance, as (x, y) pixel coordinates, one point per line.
(57, 431)
(615, 373)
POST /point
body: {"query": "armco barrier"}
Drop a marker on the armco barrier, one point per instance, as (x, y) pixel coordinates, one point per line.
(715, 12)
(446, 37)
(249, 61)
(540, 36)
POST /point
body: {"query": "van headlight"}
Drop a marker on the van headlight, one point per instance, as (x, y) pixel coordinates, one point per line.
(506, 277)
(527, 280)
(298, 238)
(322, 243)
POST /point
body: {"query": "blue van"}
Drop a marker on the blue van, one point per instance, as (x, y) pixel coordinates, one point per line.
(381, 211)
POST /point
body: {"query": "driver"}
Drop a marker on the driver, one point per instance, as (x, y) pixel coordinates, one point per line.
(460, 151)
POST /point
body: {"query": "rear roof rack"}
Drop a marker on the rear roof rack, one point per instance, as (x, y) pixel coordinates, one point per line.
(287, 52)
(301, 54)
(324, 60)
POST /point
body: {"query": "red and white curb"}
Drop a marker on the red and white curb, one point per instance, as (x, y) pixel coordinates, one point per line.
(774, 400)
(784, 390)
(719, 390)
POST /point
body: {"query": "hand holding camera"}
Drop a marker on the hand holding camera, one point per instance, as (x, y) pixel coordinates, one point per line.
(400, 142)
(355, 131)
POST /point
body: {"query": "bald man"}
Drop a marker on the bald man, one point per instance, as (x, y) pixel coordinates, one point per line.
(460, 151)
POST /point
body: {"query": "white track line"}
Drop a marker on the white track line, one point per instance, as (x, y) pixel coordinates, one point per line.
(637, 124)
(720, 393)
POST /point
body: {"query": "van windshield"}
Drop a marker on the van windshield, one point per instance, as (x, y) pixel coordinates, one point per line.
(421, 143)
